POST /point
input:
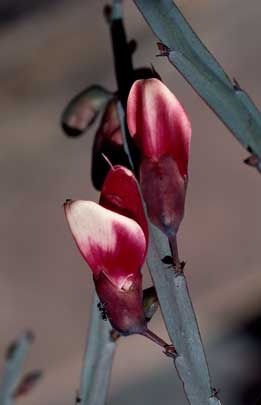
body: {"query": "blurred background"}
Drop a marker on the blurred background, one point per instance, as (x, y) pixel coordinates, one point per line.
(50, 50)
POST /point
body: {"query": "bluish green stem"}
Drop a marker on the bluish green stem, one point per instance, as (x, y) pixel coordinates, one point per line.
(97, 363)
(13, 370)
(199, 67)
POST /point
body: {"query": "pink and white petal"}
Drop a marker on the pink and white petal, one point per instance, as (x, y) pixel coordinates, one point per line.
(110, 243)
(120, 194)
(158, 123)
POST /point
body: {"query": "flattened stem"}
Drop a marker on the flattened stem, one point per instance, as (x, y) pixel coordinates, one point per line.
(98, 358)
(14, 368)
(199, 67)
(181, 323)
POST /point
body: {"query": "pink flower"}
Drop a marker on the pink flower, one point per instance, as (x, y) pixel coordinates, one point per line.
(161, 129)
(113, 238)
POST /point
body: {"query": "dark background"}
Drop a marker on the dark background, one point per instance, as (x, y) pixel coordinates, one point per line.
(51, 50)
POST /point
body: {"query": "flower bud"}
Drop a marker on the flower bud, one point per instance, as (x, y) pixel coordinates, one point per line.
(83, 109)
(161, 129)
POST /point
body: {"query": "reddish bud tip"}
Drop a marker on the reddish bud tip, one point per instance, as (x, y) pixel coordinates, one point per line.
(120, 194)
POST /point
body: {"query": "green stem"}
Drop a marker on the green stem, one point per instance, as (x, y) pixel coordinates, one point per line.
(97, 364)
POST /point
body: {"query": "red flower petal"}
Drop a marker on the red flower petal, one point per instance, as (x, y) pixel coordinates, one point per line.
(120, 194)
(123, 306)
(158, 122)
(110, 243)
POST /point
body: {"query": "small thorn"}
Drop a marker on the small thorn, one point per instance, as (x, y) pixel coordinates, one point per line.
(170, 351)
(253, 161)
(215, 392)
(167, 260)
(177, 267)
(236, 85)
(164, 50)
(114, 335)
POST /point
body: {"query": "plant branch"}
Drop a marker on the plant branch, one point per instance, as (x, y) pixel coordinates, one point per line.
(15, 359)
(125, 74)
(198, 66)
(122, 55)
(181, 323)
(98, 359)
